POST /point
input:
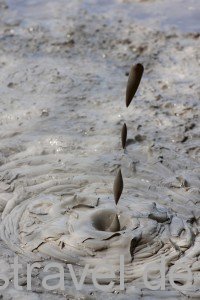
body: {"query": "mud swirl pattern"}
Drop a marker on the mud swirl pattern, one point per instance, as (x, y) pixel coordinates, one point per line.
(63, 108)
(73, 218)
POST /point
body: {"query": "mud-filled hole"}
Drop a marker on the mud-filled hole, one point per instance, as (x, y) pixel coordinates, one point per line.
(106, 220)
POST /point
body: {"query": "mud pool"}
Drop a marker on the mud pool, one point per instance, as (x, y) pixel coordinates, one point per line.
(63, 73)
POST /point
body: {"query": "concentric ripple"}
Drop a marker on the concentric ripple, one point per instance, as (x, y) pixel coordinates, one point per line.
(73, 218)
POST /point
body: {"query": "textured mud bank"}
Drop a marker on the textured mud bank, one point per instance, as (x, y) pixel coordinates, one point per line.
(63, 73)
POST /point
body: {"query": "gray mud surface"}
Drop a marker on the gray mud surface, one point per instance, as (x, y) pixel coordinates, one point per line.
(63, 74)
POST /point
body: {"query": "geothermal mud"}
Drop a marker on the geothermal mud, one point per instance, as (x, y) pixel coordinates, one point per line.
(63, 72)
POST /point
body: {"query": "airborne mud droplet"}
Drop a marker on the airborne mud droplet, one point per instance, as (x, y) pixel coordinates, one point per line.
(124, 135)
(118, 186)
(133, 82)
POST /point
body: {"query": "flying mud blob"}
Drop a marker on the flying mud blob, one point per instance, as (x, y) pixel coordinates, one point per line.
(134, 79)
(118, 186)
(124, 135)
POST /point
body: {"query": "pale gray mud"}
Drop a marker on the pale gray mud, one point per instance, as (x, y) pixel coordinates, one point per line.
(63, 74)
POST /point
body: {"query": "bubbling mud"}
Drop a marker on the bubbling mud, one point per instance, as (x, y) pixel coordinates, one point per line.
(60, 152)
(73, 218)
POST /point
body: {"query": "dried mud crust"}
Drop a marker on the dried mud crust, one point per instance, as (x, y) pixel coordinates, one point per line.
(62, 108)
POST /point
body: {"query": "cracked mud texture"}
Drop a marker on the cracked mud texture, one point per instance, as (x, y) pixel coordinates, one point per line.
(63, 70)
